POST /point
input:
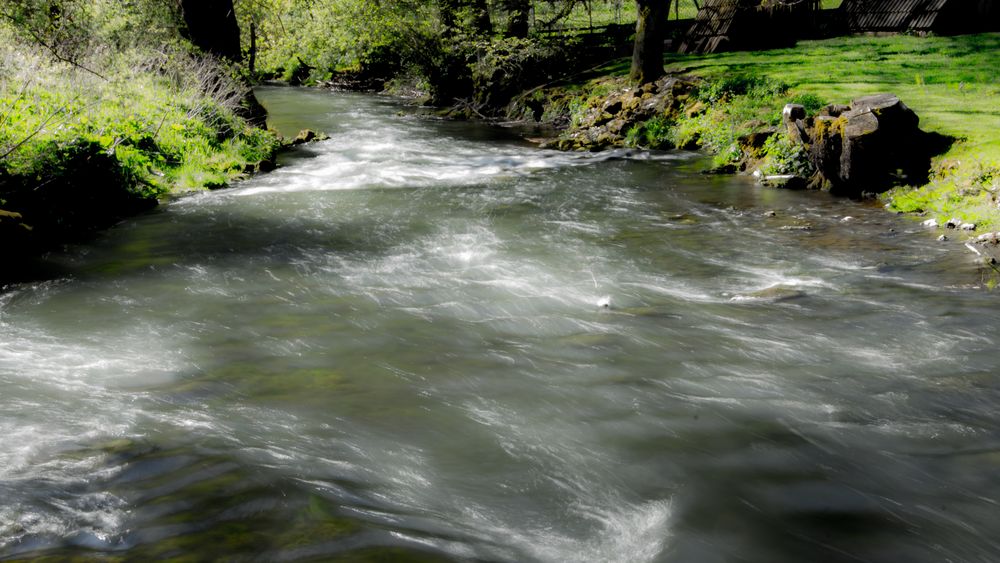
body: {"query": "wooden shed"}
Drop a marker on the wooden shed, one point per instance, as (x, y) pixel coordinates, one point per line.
(732, 25)
(920, 16)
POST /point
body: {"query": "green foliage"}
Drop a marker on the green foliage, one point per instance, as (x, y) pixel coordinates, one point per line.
(719, 127)
(812, 102)
(160, 115)
(333, 35)
(781, 156)
(657, 133)
(64, 27)
(295, 71)
(732, 86)
(504, 67)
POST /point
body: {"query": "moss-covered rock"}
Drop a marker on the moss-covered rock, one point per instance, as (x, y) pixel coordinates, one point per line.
(866, 147)
(605, 117)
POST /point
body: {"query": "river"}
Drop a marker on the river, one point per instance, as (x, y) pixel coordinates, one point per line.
(430, 341)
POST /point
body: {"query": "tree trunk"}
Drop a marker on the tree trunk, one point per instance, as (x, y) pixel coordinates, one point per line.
(647, 57)
(252, 60)
(519, 11)
(211, 26)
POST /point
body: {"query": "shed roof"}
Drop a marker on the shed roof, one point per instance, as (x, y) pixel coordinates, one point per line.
(735, 23)
(892, 15)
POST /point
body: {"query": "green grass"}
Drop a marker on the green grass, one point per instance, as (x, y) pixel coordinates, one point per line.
(953, 83)
(166, 133)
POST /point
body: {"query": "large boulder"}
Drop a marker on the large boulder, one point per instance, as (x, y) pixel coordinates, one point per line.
(867, 147)
(878, 136)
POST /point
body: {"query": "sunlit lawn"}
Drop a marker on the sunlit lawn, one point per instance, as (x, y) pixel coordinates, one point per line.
(953, 83)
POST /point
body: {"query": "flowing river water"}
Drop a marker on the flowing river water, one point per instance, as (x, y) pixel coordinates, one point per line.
(396, 348)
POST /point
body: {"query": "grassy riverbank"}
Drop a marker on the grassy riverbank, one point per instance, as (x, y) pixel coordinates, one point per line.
(83, 145)
(952, 83)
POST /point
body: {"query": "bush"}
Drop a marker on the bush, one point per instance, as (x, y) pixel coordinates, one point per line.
(736, 85)
(505, 67)
(781, 156)
(811, 102)
(657, 133)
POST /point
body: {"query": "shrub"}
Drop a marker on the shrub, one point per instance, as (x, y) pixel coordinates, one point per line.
(504, 67)
(735, 85)
(811, 102)
(781, 156)
(657, 133)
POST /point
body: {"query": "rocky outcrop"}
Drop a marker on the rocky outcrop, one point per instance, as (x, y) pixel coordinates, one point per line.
(865, 147)
(606, 125)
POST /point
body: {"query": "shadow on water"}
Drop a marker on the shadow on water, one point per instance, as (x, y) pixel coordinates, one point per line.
(203, 504)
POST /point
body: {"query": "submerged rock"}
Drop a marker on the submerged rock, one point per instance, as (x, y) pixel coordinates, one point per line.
(784, 181)
(989, 238)
(308, 136)
(771, 294)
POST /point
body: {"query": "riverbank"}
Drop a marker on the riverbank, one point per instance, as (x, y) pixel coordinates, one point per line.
(719, 102)
(81, 149)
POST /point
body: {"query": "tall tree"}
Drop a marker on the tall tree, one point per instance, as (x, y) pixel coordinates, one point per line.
(211, 26)
(647, 56)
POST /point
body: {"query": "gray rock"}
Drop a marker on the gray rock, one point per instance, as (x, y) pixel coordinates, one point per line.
(989, 238)
(834, 110)
(793, 113)
(773, 294)
(784, 181)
